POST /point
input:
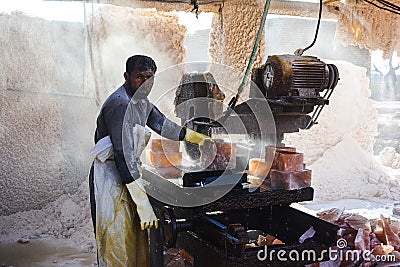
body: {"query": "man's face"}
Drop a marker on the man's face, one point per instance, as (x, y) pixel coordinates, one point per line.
(140, 82)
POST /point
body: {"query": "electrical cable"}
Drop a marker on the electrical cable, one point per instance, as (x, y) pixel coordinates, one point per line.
(195, 7)
(300, 51)
(316, 31)
(388, 4)
(221, 14)
(384, 8)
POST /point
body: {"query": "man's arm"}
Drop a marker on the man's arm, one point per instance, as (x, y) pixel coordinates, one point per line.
(168, 129)
(164, 127)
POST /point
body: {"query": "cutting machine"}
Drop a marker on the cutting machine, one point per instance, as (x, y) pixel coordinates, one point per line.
(295, 88)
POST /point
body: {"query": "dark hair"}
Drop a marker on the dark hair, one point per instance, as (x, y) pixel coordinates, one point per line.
(140, 62)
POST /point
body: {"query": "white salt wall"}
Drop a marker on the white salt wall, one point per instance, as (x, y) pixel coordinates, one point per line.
(234, 32)
(390, 158)
(365, 25)
(350, 111)
(54, 76)
(41, 72)
(339, 148)
(30, 141)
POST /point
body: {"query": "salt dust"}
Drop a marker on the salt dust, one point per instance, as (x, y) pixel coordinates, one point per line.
(339, 149)
(147, 31)
(347, 171)
(350, 111)
(66, 218)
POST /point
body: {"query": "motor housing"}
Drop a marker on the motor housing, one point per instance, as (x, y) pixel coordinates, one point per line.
(295, 76)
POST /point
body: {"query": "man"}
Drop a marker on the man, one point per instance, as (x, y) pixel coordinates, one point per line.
(121, 211)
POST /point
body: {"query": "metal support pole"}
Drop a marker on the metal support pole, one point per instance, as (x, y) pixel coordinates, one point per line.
(156, 247)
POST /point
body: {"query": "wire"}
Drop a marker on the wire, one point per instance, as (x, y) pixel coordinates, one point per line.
(221, 15)
(300, 51)
(388, 4)
(195, 7)
(384, 8)
(316, 31)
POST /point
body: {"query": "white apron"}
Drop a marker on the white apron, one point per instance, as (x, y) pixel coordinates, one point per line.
(119, 239)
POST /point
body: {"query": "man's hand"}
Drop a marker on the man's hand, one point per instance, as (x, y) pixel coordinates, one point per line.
(197, 138)
(146, 214)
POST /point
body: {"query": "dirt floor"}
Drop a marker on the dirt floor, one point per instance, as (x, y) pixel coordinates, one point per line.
(44, 253)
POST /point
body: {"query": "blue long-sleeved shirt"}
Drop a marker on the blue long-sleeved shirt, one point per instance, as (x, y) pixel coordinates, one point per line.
(121, 110)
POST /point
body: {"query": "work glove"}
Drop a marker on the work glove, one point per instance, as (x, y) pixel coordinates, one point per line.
(197, 138)
(146, 213)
